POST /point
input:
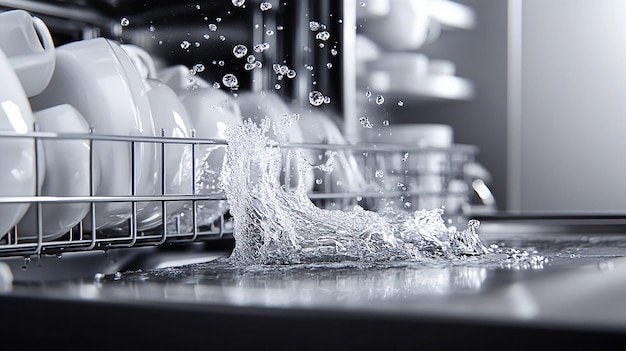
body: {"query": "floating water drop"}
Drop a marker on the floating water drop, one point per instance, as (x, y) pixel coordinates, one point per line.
(316, 98)
(222, 38)
(185, 44)
(249, 66)
(206, 37)
(277, 86)
(379, 173)
(314, 26)
(151, 28)
(405, 157)
(230, 80)
(333, 52)
(368, 93)
(279, 28)
(329, 65)
(269, 32)
(323, 36)
(265, 6)
(291, 73)
(400, 103)
(240, 50)
(380, 99)
(386, 122)
(212, 27)
(197, 68)
(239, 3)
(124, 22)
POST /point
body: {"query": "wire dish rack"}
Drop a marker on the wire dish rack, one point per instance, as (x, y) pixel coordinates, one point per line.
(395, 175)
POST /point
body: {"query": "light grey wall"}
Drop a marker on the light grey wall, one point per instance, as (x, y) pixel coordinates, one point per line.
(573, 106)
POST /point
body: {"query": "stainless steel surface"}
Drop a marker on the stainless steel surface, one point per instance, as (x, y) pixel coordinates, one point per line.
(576, 296)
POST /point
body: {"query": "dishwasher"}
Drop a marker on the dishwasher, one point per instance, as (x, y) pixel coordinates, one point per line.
(165, 280)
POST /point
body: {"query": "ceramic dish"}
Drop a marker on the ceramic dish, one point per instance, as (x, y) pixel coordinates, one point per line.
(17, 170)
(211, 112)
(98, 78)
(170, 120)
(67, 170)
(285, 129)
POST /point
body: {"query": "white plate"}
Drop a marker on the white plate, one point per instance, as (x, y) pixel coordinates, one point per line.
(67, 170)
(98, 78)
(285, 128)
(212, 112)
(17, 168)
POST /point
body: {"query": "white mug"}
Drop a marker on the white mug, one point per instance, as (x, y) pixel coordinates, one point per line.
(27, 43)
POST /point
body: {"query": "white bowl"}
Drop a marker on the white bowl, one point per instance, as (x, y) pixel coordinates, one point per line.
(67, 170)
(98, 78)
(17, 166)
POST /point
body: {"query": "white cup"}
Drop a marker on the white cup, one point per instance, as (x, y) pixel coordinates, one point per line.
(27, 42)
(17, 168)
(67, 174)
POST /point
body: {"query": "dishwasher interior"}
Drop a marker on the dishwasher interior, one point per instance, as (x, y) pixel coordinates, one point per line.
(558, 278)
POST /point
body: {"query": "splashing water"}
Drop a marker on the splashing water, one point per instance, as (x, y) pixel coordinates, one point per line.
(278, 225)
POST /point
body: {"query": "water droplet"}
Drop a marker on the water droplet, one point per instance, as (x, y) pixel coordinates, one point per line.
(222, 38)
(318, 181)
(152, 28)
(333, 52)
(316, 98)
(365, 122)
(250, 58)
(329, 65)
(265, 6)
(321, 45)
(261, 47)
(362, 3)
(277, 86)
(206, 37)
(269, 32)
(291, 73)
(249, 66)
(239, 3)
(240, 50)
(322, 36)
(230, 80)
(197, 44)
(380, 100)
(258, 64)
(379, 173)
(220, 63)
(185, 44)
(124, 22)
(218, 19)
(309, 67)
(314, 26)
(327, 99)
(386, 122)
(198, 67)
(368, 93)
(400, 103)
(98, 276)
(279, 27)
(405, 156)
(216, 85)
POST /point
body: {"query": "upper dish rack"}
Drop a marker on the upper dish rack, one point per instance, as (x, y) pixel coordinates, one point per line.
(85, 237)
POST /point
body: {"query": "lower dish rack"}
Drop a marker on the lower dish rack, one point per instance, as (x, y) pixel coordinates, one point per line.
(385, 173)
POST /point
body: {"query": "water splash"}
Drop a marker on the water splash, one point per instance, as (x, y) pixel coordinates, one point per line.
(274, 224)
